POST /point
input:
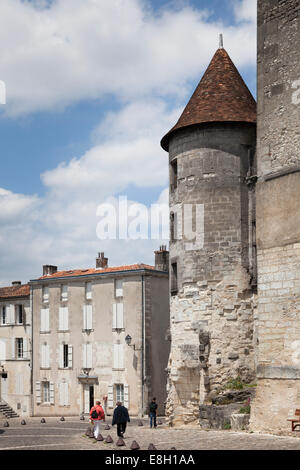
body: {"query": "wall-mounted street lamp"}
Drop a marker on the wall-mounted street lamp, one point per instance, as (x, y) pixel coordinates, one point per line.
(128, 340)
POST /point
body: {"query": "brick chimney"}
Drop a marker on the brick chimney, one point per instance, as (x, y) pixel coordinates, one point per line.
(48, 270)
(162, 259)
(101, 261)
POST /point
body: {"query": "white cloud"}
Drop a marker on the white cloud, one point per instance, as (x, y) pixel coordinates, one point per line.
(83, 49)
(246, 10)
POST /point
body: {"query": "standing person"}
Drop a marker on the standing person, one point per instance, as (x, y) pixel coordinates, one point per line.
(97, 415)
(152, 412)
(120, 418)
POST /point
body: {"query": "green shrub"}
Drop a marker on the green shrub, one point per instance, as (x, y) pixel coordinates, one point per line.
(227, 426)
(245, 410)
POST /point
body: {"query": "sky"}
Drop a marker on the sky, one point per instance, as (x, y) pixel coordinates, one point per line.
(91, 88)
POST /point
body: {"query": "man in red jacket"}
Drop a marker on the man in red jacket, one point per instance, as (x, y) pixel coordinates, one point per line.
(97, 415)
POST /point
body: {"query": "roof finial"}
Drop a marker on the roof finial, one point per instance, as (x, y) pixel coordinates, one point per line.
(221, 46)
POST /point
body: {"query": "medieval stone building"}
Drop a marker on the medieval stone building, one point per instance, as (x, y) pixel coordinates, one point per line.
(235, 272)
(213, 274)
(278, 215)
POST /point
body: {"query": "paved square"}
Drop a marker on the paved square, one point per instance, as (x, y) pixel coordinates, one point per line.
(70, 435)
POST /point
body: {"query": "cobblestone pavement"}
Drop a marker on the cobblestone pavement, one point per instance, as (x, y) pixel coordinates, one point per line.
(70, 435)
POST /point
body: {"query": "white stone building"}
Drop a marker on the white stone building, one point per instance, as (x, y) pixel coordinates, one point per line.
(15, 350)
(99, 334)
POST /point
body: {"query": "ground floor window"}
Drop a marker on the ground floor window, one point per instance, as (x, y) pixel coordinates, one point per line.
(20, 348)
(119, 393)
(46, 392)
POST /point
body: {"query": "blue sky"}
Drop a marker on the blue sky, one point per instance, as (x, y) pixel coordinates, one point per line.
(85, 92)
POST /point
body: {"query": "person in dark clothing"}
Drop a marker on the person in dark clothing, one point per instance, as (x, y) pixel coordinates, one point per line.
(120, 418)
(152, 412)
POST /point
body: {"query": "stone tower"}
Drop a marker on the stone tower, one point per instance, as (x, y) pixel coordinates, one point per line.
(278, 215)
(212, 240)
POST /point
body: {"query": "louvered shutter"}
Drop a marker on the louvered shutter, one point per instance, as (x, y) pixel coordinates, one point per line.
(66, 318)
(61, 356)
(25, 349)
(116, 356)
(38, 392)
(89, 355)
(120, 316)
(114, 316)
(61, 319)
(70, 356)
(13, 348)
(110, 396)
(45, 319)
(51, 393)
(89, 317)
(119, 288)
(126, 395)
(61, 394)
(84, 317)
(66, 394)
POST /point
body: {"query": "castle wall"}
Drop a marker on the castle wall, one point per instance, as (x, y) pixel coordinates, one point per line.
(278, 215)
(212, 304)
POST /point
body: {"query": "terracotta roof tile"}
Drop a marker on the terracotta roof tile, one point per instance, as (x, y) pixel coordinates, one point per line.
(90, 271)
(14, 291)
(221, 95)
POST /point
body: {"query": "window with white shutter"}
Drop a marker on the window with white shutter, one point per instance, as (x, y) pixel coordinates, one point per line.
(126, 395)
(118, 316)
(87, 317)
(63, 322)
(88, 356)
(51, 392)
(11, 314)
(46, 392)
(88, 290)
(45, 294)
(64, 293)
(38, 392)
(118, 356)
(110, 396)
(45, 320)
(118, 288)
(45, 356)
(63, 394)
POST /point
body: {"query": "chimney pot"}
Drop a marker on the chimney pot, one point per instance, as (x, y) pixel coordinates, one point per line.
(48, 270)
(101, 261)
(162, 259)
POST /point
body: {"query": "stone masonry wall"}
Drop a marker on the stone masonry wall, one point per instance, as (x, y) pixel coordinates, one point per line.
(212, 311)
(278, 215)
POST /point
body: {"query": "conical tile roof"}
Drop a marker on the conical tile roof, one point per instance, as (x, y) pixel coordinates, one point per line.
(221, 96)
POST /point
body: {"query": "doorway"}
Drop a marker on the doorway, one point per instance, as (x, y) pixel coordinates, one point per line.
(88, 398)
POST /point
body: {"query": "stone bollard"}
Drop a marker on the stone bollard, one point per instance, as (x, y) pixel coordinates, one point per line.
(107, 427)
(109, 440)
(23, 422)
(43, 420)
(62, 419)
(134, 446)
(6, 424)
(140, 423)
(152, 447)
(120, 442)
(100, 438)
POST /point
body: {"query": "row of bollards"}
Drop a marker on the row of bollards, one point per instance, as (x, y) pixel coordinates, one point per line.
(120, 442)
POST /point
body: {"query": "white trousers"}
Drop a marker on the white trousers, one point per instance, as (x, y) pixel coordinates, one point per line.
(97, 428)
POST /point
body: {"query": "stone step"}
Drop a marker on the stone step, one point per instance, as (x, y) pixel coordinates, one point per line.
(7, 411)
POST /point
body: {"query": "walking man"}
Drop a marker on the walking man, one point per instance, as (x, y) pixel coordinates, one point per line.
(120, 418)
(97, 415)
(152, 412)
